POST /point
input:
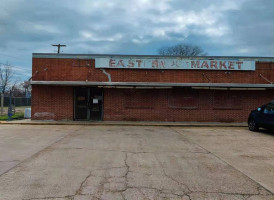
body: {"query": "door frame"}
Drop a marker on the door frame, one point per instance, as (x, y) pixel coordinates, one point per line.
(88, 112)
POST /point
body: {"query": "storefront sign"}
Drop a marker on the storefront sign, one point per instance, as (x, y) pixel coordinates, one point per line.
(173, 63)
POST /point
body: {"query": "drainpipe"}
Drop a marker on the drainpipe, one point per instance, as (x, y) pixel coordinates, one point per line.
(108, 75)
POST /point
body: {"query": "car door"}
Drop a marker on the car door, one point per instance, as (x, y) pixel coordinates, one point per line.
(268, 116)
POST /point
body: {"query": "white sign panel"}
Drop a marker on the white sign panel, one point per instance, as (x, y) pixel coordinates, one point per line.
(95, 101)
(173, 63)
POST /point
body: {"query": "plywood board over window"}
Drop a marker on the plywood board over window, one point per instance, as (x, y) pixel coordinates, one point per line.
(142, 99)
(227, 100)
(183, 98)
(82, 63)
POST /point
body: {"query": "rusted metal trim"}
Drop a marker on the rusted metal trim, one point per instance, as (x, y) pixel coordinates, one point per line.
(265, 79)
(93, 56)
(151, 84)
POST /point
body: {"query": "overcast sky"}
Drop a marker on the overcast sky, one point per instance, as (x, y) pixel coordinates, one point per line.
(220, 27)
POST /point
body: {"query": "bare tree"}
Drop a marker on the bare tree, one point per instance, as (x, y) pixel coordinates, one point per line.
(182, 50)
(5, 76)
(5, 79)
(15, 88)
(27, 86)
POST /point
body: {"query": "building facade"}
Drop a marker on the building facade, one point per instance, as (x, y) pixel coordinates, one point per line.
(149, 88)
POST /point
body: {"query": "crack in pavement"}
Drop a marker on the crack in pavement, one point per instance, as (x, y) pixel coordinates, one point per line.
(127, 166)
(191, 141)
(106, 177)
(42, 150)
(170, 177)
(102, 189)
(159, 191)
(81, 185)
(125, 176)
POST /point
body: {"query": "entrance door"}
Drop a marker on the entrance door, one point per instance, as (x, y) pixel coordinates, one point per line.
(81, 104)
(95, 104)
(88, 104)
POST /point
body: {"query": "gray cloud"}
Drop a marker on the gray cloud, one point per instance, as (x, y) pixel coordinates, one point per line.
(221, 27)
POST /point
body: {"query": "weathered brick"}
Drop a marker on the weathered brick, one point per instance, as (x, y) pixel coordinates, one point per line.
(56, 103)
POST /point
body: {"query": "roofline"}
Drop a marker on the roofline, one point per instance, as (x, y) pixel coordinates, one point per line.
(92, 56)
(151, 84)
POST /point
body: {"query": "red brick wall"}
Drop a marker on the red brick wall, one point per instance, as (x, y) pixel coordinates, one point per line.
(52, 103)
(49, 69)
(56, 103)
(158, 107)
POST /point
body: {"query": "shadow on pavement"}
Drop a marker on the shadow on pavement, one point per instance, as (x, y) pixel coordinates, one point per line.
(267, 131)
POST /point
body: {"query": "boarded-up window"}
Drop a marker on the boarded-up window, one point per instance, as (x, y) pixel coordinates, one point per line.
(183, 98)
(227, 100)
(143, 99)
(82, 63)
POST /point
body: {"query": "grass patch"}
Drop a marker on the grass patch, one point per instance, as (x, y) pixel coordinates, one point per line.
(6, 107)
(15, 116)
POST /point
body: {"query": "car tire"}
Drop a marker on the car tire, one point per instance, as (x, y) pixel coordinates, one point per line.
(252, 126)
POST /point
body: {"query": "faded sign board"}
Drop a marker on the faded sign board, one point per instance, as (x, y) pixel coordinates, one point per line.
(173, 63)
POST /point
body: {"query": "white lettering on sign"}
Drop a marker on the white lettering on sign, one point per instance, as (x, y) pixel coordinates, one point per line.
(173, 63)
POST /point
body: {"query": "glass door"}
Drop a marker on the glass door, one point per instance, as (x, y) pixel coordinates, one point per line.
(81, 104)
(95, 104)
(88, 104)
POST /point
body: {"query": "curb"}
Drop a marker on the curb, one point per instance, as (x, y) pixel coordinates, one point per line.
(129, 124)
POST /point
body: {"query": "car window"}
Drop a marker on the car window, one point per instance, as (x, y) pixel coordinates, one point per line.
(269, 108)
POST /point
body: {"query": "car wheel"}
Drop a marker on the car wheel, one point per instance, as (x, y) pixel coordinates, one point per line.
(252, 125)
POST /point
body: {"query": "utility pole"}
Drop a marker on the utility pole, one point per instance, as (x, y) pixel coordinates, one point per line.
(10, 108)
(2, 100)
(59, 46)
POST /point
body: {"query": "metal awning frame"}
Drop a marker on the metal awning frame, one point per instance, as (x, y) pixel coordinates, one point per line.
(153, 85)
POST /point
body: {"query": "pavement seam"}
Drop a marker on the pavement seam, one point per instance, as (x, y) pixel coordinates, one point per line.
(226, 163)
(39, 152)
(65, 197)
(9, 160)
(229, 193)
(132, 152)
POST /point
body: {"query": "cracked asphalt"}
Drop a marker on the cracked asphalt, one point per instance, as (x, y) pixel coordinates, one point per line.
(135, 162)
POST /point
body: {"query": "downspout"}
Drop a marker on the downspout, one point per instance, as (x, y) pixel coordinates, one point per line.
(108, 75)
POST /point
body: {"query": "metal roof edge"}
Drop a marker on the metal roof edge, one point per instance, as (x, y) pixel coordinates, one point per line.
(92, 56)
(151, 84)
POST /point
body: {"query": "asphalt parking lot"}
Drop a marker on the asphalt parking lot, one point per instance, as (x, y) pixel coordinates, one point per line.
(135, 162)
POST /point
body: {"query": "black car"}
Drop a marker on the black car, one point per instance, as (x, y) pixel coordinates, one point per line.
(262, 117)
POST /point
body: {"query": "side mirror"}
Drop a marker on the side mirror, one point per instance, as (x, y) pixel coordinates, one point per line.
(259, 109)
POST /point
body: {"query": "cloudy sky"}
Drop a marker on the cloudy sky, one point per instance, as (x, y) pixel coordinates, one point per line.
(220, 27)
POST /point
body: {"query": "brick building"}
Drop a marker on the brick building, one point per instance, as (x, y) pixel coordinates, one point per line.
(149, 88)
